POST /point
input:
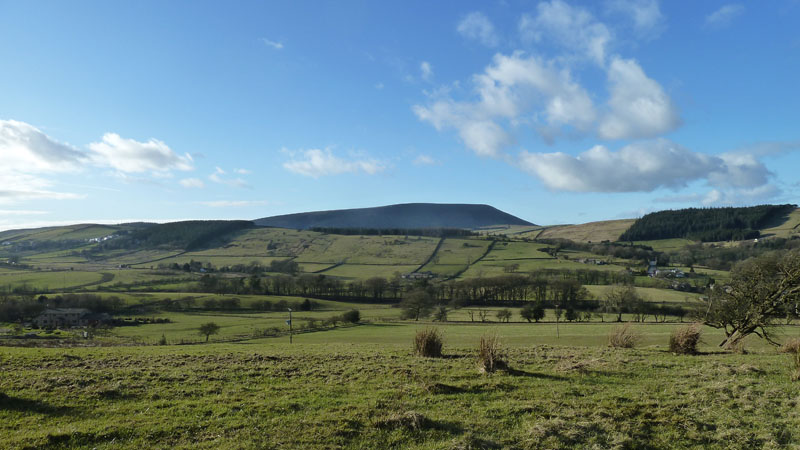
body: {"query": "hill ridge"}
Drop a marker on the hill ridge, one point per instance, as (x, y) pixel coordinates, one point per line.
(402, 215)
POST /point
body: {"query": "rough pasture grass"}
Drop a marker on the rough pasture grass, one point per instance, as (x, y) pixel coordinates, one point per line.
(363, 271)
(370, 396)
(520, 335)
(461, 251)
(651, 294)
(786, 229)
(494, 267)
(608, 230)
(512, 250)
(184, 326)
(48, 279)
(217, 259)
(371, 250)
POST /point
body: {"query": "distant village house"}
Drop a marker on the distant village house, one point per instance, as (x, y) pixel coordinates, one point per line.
(419, 275)
(70, 317)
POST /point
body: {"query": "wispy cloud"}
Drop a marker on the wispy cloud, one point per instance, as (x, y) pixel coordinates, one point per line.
(233, 203)
(274, 44)
(424, 160)
(477, 26)
(572, 28)
(316, 163)
(426, 70)
(724, 15)
(648, 21)
(195, 183)
(219, 177)
(21, 212)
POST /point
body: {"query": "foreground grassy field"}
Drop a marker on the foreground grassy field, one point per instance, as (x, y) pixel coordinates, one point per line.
(339, 390)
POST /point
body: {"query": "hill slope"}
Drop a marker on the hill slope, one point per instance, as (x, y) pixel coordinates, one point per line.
(408, 215)
(708, 224)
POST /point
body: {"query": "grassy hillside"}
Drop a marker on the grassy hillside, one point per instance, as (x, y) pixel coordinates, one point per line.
(609, 230)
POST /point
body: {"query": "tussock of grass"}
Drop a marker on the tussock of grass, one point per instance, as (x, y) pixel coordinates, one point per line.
(623, 336)
(412, 421)
(684, 340)
(795, 366)
(572, 365)
(791, 346)
(490, 358)
(428, 343)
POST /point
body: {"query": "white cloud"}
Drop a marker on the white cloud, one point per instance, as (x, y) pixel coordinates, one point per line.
(724, 15)
(242, 171)
(316, 163)
(192, 183)
(741, 171)
(26, 154)
(645, 14)
(639, 107)
(511, 87)
(424, 160)
(25, 148)
(131, 156)
(21, 212)
(233, 203)
(17, 187)
(641, 167)
(218, 177)
(477, 26)
(572, 27)
(274, 44)
(426, 70)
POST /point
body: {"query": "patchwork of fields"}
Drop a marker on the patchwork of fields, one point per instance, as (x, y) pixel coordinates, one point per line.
(154, 381)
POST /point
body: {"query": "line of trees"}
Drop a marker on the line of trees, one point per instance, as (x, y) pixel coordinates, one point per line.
(543, 285)
(18, 308)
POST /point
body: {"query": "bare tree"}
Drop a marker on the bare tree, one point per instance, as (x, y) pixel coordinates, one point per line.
(759, 291)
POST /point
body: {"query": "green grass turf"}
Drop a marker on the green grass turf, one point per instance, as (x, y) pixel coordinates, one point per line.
(361, 387)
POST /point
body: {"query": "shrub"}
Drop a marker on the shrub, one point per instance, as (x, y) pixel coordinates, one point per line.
(684, 340)
(791, 346)
(163, 340)
(623, 337)
(352, 316)
(490, 358)
(428, 342)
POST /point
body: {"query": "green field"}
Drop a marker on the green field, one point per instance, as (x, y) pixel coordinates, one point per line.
(608, 230)
(361, 387)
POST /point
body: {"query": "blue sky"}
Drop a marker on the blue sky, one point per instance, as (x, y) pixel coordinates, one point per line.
(555, 111)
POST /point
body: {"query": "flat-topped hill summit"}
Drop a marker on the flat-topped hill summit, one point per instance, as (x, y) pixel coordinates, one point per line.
(407, 215)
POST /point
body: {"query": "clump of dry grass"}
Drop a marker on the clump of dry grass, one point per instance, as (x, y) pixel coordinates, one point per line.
(796, 366)
(410, 420)
(490, 358)
(684, 340)
(428, 342)
(623, 337)
(791, 346)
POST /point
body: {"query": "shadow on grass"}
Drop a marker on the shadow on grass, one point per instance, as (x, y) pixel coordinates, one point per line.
(543, 376)
(10, 403)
